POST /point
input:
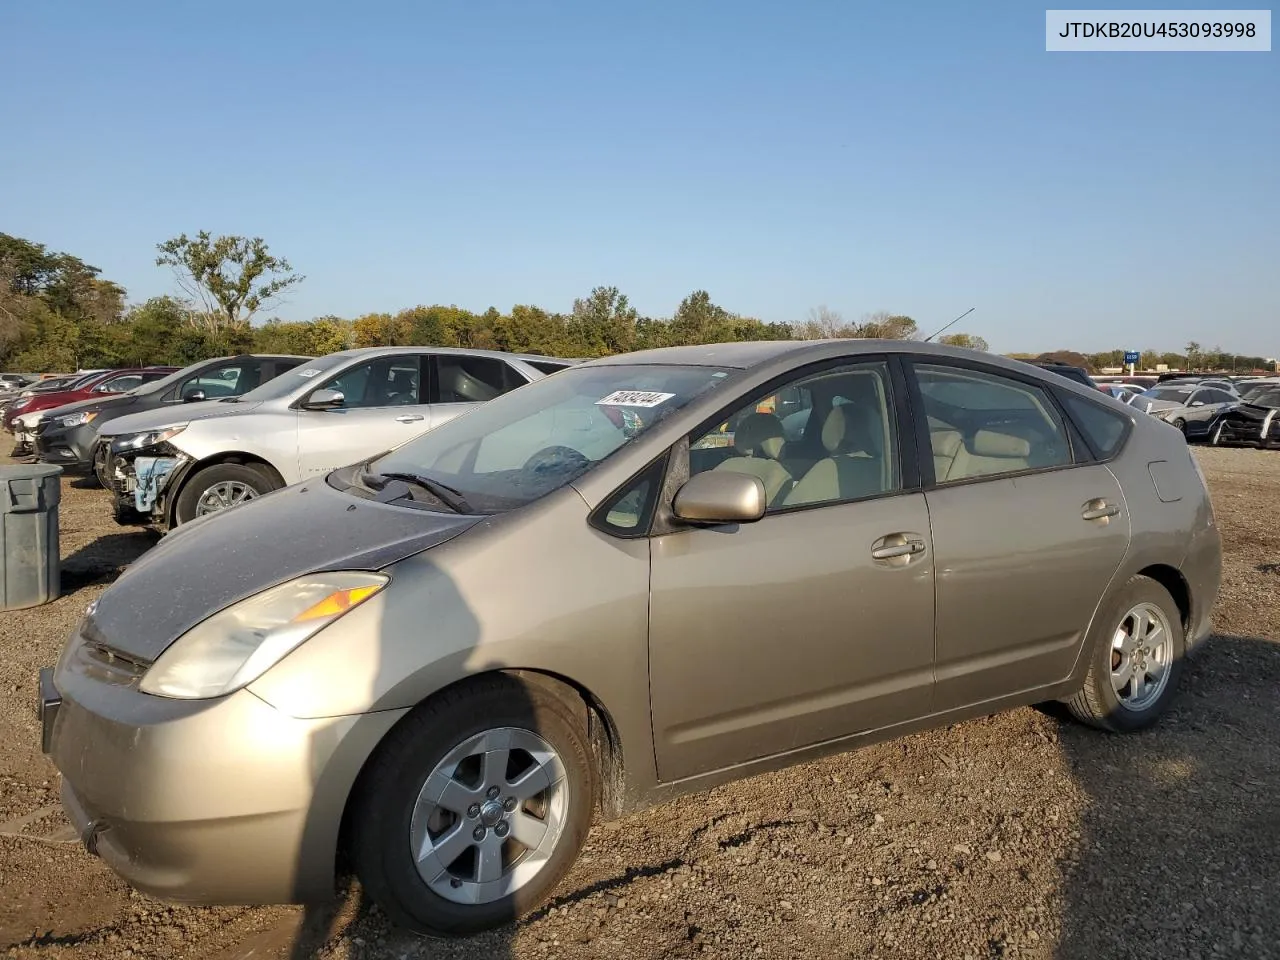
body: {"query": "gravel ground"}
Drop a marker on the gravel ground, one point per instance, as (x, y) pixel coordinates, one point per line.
(1019, 835)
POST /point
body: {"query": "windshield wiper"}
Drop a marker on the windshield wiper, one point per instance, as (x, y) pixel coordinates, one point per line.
(451, 498)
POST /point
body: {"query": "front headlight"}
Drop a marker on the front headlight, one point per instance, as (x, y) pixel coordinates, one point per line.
(237, 645)
(149, 438)
(77, 419)
(21, 402)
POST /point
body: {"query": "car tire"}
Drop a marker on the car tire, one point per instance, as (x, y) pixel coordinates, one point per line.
(391, 825)
(1121, 645)
(240, 481)
(1180, 424)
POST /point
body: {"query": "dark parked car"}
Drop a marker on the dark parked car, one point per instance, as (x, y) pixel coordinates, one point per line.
(1255, 421)
(1078, 374)
(68, 435)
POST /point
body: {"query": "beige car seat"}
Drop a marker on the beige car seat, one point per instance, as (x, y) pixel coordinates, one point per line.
(849, 470)
(758, 440)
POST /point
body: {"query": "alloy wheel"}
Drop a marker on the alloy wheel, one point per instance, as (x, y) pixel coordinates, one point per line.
(1141, 657)
(489, 816)
(225, 493)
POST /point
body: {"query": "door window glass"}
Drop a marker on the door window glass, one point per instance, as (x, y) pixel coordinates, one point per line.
(826, 438)
(119, 384)
(384, 382)
(983, 424)
(229, 381)
(464, 379)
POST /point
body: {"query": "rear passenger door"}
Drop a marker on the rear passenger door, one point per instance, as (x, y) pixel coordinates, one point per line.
(461, 382)
(1028, 530)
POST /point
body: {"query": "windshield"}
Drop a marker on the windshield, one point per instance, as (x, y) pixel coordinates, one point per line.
(295, 379)
(1172, 394)
(1252, 389)
(536, 439)
(1266, 398)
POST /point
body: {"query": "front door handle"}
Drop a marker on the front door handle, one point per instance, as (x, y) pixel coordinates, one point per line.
(897, 549)
(1099, 510)
(409, 418)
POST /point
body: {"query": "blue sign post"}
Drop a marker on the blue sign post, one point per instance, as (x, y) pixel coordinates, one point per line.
(1131, 358)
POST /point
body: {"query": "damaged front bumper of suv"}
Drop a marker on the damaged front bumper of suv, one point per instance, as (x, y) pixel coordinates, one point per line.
(141, 480)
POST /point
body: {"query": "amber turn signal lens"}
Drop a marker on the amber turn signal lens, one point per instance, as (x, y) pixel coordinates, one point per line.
(337, 603)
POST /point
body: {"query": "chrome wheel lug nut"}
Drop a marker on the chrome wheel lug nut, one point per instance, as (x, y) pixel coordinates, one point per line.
(501, 829)
(492, 793)
(509, 804)
(473, 811)
(478, 834)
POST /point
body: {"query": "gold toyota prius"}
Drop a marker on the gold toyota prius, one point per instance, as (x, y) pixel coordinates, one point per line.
(645, 575)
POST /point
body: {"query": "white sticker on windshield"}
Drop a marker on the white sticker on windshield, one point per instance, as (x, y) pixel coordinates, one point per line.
(634, 398)
(309, 372)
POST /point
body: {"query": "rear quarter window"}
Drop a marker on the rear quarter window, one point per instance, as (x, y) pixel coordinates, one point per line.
(1105, 430)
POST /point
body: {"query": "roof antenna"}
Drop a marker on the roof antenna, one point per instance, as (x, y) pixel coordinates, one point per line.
(951, 324)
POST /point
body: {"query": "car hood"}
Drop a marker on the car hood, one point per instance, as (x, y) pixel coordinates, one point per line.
(175, 413)
(114, 405)
(206, 565)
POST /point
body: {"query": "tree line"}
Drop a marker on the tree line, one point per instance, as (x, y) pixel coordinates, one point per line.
(58, 314)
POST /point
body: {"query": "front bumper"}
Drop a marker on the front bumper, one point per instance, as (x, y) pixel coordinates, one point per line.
(226, 801)
(140, 481)
(1259, 432)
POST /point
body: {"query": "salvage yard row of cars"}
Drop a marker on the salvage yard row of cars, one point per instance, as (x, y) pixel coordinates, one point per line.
(437, 660)
(175, 444)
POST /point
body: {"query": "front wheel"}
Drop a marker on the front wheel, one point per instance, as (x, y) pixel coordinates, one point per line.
(1137, 648)
(1180, 424)
(220, 486)
(474, 808)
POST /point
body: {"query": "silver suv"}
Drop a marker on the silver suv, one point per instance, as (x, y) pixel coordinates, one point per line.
(168, 466)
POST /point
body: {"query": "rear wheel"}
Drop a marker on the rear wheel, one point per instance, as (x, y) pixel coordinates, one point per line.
(221, 486)
(474, 808)
(1137, 649)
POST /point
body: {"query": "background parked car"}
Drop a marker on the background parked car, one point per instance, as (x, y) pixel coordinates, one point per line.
(67, 434)
(90, 387)
(1254, 421)
(1078, 374)
(1190, 407)
(170, 466)
(1121, 391)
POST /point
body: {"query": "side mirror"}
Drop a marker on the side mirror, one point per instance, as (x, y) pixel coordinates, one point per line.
(193, 396)
(324, 400)
(721, 496)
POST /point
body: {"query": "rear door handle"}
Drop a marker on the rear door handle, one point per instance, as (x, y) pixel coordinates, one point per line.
(409, 418)
(1099, 510)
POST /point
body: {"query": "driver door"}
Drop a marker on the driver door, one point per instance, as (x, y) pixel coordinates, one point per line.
(383, 406)
(800, 628)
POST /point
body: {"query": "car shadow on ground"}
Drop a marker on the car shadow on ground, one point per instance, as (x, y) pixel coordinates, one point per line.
(104, 559)
(1150, 877)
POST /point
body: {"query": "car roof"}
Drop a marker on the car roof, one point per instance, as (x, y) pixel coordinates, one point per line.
(749, 354)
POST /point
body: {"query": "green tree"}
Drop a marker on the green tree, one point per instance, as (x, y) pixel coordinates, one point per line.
(601, 323)
(967, 340)
(232, 277)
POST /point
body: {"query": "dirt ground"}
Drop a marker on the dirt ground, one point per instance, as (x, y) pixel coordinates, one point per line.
(1020, 835)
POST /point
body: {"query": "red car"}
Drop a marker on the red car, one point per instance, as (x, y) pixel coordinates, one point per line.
(109, 381)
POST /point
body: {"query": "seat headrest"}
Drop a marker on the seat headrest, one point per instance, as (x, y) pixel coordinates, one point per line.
(759, 435)
(990, 443)
(466, 386)
(846, 429)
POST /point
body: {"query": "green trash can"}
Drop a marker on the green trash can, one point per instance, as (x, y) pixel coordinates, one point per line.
(29, 497)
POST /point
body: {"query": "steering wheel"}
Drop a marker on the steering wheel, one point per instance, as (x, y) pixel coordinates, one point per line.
(556, 460)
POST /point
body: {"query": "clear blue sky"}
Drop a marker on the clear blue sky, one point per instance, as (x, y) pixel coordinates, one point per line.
(920, 158)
